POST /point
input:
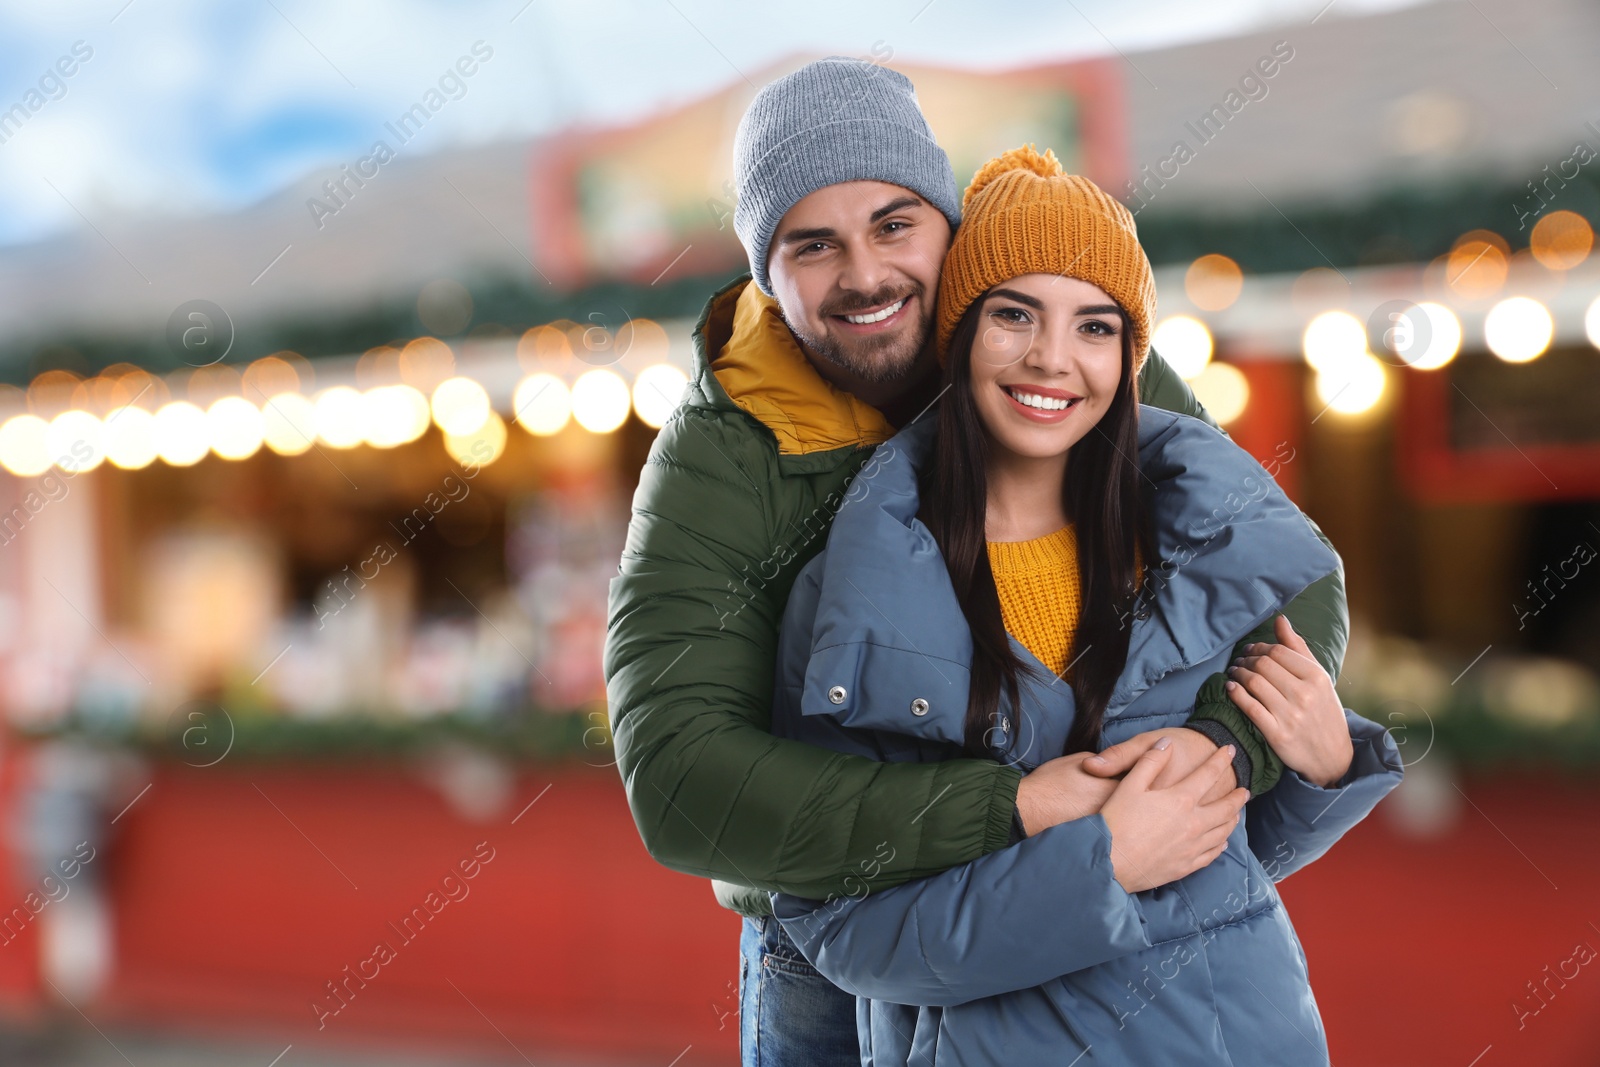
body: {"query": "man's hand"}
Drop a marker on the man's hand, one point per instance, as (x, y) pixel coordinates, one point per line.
(1059, 791)
(1292, 701)
(1190, 748)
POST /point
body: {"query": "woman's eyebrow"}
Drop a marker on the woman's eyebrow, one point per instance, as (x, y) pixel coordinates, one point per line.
(1037, 305)
(1021, 298)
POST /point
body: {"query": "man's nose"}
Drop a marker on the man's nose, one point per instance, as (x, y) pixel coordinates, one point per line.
(865, 271)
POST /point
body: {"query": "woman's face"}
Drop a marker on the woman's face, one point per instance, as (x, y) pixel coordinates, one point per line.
(1046, 362)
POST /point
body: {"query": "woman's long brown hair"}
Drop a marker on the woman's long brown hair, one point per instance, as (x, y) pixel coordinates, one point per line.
(1102, 500)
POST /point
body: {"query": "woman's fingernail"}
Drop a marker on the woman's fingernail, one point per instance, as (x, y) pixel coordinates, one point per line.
(1164, 742)
(1229, 750)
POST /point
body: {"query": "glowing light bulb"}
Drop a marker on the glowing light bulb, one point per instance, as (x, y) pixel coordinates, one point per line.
(1183, 342)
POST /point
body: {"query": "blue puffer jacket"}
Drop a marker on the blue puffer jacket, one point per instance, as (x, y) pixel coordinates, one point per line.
(1034, 954)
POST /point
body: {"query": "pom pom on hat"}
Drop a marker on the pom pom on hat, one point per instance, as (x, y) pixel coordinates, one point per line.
(1025, 158)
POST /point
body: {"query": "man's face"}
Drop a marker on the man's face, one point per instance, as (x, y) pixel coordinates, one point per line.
(855, 268)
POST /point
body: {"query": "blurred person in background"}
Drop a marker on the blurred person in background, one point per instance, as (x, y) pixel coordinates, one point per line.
(846, 208)
(1018, 521)
(61, 829)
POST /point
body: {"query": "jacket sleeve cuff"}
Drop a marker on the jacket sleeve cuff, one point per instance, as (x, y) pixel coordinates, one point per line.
(1003, 816)
(1243, 769)
(1221, 720)
(1019, 833)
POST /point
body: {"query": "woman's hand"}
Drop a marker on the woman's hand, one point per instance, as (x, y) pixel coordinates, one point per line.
(1190, 748)
(1291, 699)
(1160, 835)
(1060, 790)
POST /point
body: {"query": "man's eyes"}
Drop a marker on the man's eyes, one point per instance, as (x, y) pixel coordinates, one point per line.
(894, 228)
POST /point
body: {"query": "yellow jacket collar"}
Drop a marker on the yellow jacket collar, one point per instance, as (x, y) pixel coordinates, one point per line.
(761, 368)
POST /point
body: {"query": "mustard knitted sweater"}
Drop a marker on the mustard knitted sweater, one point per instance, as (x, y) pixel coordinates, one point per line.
(1041, 594)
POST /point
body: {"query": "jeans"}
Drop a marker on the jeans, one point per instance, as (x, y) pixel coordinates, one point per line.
(789, 1015)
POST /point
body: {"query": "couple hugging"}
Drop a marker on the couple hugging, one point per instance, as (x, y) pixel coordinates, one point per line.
(989, 681)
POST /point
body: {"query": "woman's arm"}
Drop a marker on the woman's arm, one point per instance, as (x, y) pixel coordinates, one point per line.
(1009, 920)
(1319, 613)
(1338, 765)
(1297, 821)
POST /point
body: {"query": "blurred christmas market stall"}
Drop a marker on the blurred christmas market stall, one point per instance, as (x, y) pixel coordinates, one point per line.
(364, 498)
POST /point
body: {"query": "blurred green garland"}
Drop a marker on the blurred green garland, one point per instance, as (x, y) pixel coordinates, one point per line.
(1465, 730)
(202, 735)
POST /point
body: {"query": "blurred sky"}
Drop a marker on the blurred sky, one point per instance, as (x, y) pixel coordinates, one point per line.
(191, 107)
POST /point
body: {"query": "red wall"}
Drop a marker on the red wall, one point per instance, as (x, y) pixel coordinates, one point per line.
(570, 938)
(233, 915)
(1419, 949)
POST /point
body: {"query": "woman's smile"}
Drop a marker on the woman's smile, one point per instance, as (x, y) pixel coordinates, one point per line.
(1041, 403)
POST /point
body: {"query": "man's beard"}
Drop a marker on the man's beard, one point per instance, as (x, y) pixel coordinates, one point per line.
(879, 360)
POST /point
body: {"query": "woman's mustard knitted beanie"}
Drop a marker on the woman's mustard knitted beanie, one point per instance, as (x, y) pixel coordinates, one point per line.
(1023, 214)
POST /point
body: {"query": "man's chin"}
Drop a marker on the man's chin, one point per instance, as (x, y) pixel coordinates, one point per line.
(879, 359)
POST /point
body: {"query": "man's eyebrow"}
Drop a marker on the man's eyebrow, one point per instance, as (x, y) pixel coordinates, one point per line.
(899, 203)
(789, 237)
(823, 233)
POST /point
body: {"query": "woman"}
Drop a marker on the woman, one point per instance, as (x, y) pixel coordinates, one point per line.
(981, 593)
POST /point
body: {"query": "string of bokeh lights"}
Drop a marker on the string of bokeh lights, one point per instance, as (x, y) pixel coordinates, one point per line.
(129, 418)
(1349, 379)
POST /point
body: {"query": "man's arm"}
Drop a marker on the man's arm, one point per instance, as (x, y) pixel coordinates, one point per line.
(689, 662)
(1319, 614)
(1161, 387)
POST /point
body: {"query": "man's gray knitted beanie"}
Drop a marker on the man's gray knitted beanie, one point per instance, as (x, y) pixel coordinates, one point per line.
(835, 120)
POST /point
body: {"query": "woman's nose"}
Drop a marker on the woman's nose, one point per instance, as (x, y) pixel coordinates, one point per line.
(1049, 352)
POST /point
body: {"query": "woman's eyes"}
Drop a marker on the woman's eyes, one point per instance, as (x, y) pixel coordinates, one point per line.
(1015, 316)
(1012, 316)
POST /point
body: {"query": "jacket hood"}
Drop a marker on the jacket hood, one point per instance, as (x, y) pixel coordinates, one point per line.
(1233, 550)
(744, 346)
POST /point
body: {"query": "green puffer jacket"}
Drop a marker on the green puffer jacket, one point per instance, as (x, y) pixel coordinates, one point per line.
(737, 495)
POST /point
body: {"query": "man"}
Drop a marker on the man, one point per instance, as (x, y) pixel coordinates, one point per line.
(846, 208)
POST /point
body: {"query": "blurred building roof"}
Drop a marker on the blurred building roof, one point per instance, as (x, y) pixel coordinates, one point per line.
(1427, 94)
(454, 214)
(1432, 93)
